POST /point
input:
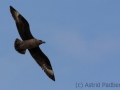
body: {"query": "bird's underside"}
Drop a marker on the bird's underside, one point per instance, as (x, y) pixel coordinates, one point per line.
(36, 53)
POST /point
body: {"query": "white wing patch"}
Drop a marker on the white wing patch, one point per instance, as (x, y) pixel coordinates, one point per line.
(47, 70)
(16, 16)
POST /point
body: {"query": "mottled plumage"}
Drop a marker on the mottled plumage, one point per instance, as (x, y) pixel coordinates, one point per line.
(36, 53)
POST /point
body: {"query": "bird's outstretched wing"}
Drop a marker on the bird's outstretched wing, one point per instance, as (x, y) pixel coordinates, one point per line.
(36, 53)
(22, 24)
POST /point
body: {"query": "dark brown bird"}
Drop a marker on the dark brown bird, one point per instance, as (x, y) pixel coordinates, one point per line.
(28, 41)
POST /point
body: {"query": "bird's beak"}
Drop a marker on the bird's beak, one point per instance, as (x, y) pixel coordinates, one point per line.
(43, 42)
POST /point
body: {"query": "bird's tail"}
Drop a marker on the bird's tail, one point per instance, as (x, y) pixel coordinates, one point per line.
(17, 48)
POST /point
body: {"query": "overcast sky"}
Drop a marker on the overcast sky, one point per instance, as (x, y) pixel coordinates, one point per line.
(82, 42)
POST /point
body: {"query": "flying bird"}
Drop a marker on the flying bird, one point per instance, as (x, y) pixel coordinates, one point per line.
(30, 43)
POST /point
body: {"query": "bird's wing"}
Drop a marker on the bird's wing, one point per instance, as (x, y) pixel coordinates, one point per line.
(22, 24)
(43, 61)
(36, 53)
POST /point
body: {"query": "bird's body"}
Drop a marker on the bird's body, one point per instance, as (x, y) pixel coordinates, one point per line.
(21, 46)
(35, 51)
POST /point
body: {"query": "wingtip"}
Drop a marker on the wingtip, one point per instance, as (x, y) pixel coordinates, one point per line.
(49, 72)
(53, 78)
(11, 8)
